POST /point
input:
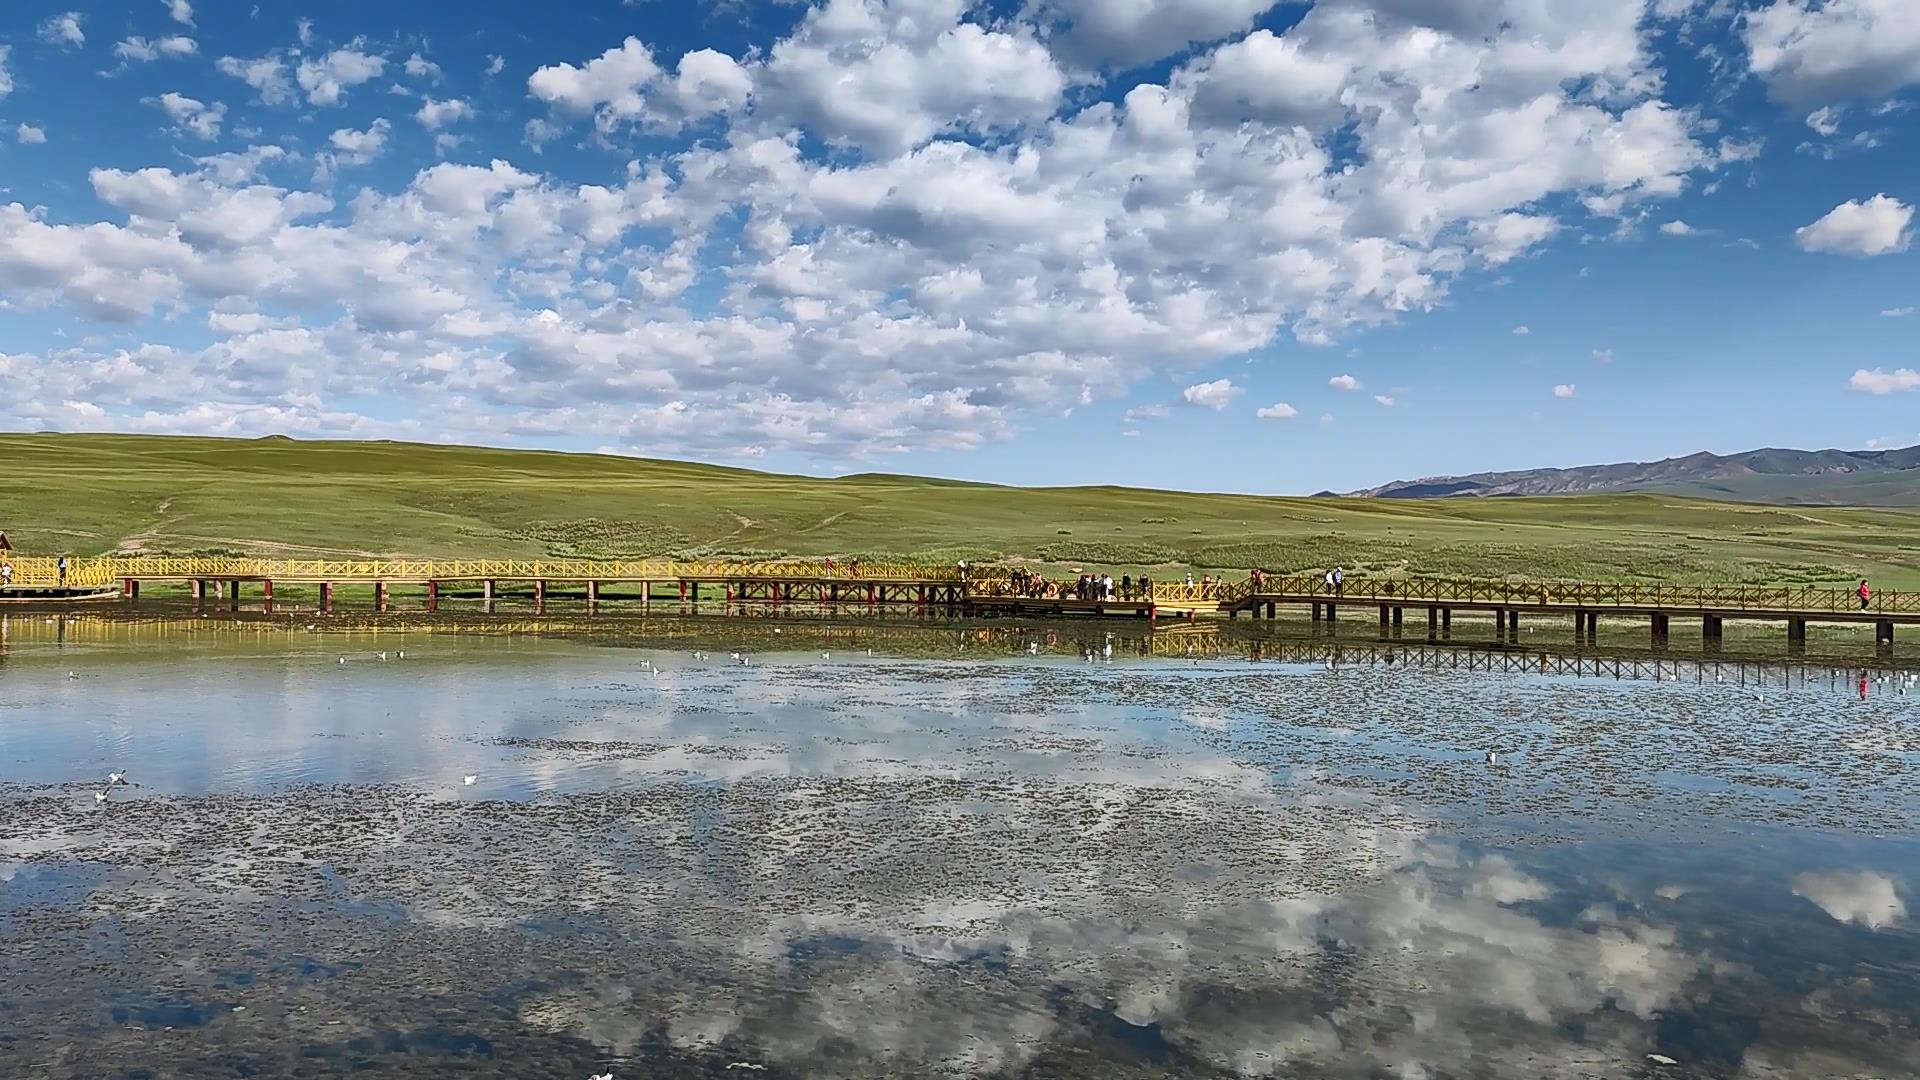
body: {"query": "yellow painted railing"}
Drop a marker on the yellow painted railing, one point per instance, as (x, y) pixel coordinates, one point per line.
(40, 572)
(1585, 594)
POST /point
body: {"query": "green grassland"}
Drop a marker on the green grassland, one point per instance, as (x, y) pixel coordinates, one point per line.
(90, 494)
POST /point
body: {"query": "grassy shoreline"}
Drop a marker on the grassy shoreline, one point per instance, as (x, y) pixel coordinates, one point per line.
(94, 494)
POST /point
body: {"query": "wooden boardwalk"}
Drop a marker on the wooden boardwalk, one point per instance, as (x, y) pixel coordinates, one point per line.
(983, 591)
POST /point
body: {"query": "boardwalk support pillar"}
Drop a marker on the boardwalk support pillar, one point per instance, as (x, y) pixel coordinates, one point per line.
(1883, 632)
(1383, 614)
(1712, 628)
(1399, 616)
(200, 592)
(380, 596)
(326, 596)
(1316, 611)
(593, 592)
(1660, 627)
(539, 591)
(130, 588)
(486, 590)
(266, 594)
(1797, 630)
(433, 596)
(233, 594)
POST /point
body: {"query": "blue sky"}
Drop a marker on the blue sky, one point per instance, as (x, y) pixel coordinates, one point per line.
(1058, 241)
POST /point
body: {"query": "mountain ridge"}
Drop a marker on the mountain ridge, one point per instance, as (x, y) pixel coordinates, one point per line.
(1771, 474)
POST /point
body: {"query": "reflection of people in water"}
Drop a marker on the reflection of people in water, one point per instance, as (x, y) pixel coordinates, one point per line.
(1863, 686)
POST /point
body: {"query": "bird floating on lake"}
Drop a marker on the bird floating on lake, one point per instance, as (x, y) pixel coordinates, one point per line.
(470, 779)
(116, 778)
(403, 654)
(601, 1076)
(100, 796)
(1493, 757)
(343, 661)
(824, 656)
(383, 654)
(73, 674)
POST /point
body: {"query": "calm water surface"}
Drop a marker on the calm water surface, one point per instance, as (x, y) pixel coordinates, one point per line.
(887, 850)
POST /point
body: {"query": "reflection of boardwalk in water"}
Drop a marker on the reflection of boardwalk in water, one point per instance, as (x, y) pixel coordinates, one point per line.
(854, 630)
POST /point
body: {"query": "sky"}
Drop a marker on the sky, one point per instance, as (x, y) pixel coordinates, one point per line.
(1199, 244)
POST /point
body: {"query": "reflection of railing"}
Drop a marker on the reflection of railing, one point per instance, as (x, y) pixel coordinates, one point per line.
(44, 573)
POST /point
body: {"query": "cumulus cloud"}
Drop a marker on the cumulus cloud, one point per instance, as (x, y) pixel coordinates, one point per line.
(1896, 312)
(1344, 382)
(6, 76)
(1879, 381)
(266, 74)
(191, 116)
(1677, 227)
(419, 67)
(1098, 33)
(141, 50)
(434, 115)
(1279, 410)
(326, 80)
(1522, 331)
(28, 135)
(1876, 226)
(1602, 356)
(1825, 120)
(1814, 52)
(496, 65)
(1385, 401)
(63, 30)
(1215, 395)
(1563, 390)
(903, 225)
(180, 10)
(1862, 897)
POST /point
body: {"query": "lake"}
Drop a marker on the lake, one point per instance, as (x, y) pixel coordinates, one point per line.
(504, 847)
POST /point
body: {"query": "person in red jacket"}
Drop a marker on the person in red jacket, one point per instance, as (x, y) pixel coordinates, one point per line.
(1866, 594)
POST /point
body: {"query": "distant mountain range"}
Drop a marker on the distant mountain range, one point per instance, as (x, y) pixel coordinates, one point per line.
(1809, 477)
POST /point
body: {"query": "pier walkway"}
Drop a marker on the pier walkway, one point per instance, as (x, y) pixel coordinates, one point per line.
(982, 591)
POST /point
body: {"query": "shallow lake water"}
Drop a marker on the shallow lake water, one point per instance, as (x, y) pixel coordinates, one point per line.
(516, 847)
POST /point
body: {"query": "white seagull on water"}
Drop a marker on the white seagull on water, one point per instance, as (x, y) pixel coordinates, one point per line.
(470, 779)
(116, 778)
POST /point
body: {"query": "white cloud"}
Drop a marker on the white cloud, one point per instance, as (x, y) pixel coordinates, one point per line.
(1279, 410)
(180, 10)
(610, 83)
(1861, 896)
(1564, 390)
(6, 77)
(1879, 381)
(63, 30)
(420, 67)
(1215, 395)
(140, 50)
(267, 75)
(200, 120)
(1677, 227)
(1825, 120)
(495, 65)
(1344, 382)
(326, 79)
(1522, 331)
(989, 232)
(434, 115)
(1813, 52)
(1876, 226)
(29, 135)
(1101, 33)
(1896, 312)
(1602, 356)
(1385, 401)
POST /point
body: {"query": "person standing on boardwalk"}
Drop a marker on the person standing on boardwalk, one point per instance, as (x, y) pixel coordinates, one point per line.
(1126, 586)
(1339, 582)
(63, 571)
(1866, 595)
(6, 576)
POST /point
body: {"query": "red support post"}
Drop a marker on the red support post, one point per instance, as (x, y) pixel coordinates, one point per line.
(433, 596)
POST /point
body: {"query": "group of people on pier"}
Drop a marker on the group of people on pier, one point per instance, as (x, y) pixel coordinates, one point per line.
(1094, 587)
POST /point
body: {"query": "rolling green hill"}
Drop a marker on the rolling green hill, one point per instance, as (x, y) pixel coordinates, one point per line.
(98, 493)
